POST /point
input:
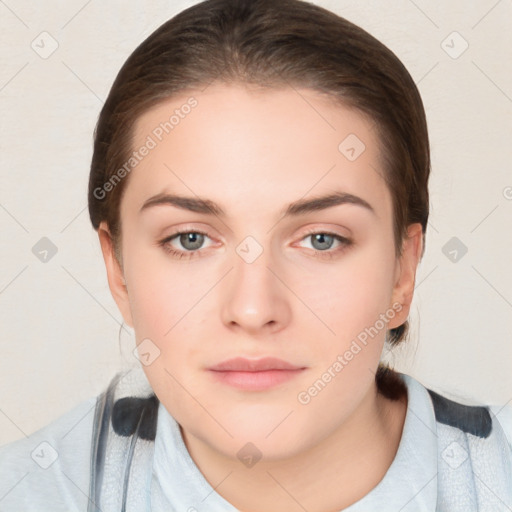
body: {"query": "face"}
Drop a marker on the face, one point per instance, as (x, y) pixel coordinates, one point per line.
(260, 270)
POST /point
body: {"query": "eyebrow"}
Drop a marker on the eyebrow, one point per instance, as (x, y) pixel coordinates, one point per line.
(297, 208)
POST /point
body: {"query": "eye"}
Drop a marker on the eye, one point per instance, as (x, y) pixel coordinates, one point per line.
(322, 242)
(191, 241)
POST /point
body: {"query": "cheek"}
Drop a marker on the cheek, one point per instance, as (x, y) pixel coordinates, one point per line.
(351, 295)
(163, 292)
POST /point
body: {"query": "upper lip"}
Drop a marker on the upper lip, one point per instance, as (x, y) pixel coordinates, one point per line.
(242, 364)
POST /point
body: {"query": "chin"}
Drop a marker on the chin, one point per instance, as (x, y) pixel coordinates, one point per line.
(281, 440)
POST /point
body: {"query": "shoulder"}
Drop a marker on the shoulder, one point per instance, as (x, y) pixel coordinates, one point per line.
(474, 451)
(480, 420)
(49, 469)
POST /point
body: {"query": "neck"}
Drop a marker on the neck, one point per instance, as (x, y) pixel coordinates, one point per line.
(330, 476)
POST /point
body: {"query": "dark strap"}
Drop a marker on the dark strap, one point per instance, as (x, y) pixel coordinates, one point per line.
(131, 417)
(470, 419)
(129, 411)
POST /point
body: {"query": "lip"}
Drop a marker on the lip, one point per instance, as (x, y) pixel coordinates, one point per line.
(241, 364)
(255, 375)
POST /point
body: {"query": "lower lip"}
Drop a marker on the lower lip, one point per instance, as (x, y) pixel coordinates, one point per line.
(256, 381)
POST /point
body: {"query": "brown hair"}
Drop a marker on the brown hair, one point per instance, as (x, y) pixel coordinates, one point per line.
(271, 45)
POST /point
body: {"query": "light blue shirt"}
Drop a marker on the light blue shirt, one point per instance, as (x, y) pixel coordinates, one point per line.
(49, 470)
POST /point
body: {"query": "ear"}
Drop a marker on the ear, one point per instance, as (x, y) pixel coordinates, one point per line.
(115, 275)
(405, 274)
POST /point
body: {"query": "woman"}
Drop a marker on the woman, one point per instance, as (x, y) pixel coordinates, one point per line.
(259, 186)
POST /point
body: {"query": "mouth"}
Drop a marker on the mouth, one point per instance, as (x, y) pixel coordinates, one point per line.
(255, 375)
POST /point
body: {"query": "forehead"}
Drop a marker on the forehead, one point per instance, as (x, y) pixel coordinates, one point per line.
(238, 145)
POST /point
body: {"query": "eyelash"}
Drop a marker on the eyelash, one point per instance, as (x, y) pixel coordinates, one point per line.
(327, 254)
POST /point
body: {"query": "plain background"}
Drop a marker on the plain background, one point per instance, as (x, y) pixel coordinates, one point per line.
(60, 326)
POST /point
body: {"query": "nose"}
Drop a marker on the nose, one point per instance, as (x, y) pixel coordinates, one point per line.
(255, 298)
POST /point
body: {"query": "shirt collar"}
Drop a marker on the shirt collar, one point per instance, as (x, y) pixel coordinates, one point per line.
(177, 483)
(410, 483)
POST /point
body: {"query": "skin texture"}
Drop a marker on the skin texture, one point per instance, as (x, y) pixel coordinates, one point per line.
(253, 153)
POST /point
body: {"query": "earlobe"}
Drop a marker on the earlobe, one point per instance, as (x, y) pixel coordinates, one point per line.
(405, 277)
(115, 275)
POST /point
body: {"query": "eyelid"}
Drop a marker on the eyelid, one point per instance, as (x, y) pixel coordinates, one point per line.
(326, 231)
(341, 239)
(206, 231)
(323, 229)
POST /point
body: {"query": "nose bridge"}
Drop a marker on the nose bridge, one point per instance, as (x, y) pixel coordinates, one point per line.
(255, 298)
(252, 277)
